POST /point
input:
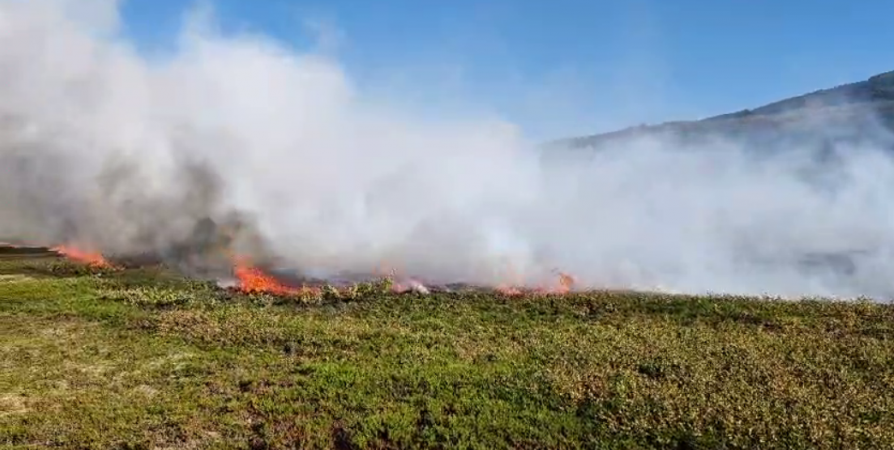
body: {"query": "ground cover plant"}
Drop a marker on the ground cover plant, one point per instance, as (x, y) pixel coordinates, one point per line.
(92, 357)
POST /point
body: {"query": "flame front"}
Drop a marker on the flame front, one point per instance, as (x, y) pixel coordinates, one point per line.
(254, 280)
(85, 257)
(508, 290)
(565, 284)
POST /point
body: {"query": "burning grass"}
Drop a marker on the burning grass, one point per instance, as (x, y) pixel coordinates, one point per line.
(90, 258)
(142, 358)
(252, 279)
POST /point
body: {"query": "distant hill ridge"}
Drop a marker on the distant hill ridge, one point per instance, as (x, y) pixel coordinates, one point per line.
(851, 103)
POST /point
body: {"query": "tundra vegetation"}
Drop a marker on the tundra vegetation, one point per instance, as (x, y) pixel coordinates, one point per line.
(93, 357)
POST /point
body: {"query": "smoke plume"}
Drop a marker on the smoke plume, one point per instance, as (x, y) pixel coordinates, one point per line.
(108, 149)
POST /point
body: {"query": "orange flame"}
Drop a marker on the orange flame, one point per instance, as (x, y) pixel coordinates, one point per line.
(254, 280)
(511, 289)
(85, 257)
(507, 290)
(565, 285)
(251, 279)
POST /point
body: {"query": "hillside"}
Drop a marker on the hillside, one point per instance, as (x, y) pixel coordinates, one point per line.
(844, 112)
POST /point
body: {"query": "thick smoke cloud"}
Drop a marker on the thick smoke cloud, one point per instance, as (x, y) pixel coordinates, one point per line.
(105, 148)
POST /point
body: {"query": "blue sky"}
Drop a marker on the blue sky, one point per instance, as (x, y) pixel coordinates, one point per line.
(564, 67)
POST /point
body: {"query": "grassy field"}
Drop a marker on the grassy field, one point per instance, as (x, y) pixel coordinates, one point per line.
(143, 359)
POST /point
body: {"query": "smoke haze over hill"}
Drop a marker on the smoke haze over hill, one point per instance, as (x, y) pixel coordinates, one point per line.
(103, 147)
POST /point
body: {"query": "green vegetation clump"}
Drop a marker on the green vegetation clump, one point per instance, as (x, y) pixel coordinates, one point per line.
(141, 358)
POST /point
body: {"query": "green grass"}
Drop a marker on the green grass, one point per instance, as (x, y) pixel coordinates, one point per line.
(143, 359)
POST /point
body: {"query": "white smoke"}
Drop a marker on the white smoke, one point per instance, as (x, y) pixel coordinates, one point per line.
(95, 137)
